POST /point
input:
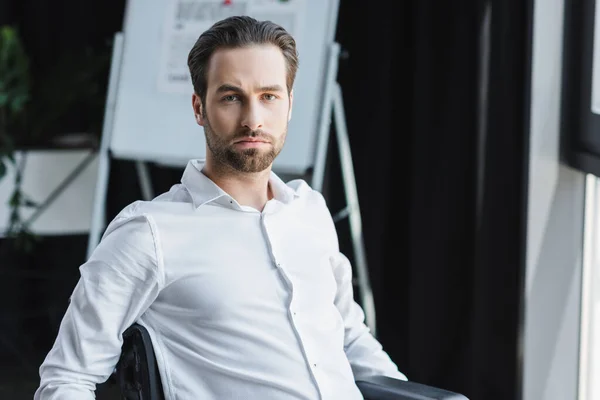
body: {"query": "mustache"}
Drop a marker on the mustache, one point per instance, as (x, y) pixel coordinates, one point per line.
(257, 134)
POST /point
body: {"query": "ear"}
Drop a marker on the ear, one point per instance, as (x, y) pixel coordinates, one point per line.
(198, 110)
(291, 105)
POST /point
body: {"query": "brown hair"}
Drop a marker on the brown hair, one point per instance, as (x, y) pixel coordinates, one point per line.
(239, 31)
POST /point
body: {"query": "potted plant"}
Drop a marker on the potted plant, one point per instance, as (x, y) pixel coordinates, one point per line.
(15, 94)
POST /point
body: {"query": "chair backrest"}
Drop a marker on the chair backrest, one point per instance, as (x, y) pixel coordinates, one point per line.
(138, 377)
(386, 388)
(137, 371)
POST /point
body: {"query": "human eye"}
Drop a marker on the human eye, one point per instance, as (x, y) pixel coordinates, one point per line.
(269, 97)
(230, 98)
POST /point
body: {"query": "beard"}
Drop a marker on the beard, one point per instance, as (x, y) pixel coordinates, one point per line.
(244, 160)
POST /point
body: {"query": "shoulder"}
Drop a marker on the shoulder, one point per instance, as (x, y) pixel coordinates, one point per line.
(176, 200)
(127, 247)
(132, 228)
(304, 191)
(316, 211)
(140, 217)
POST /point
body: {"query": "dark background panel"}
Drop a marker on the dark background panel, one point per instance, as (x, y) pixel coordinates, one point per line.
(580, 130)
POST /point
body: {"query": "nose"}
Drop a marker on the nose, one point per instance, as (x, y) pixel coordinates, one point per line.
(253, 116)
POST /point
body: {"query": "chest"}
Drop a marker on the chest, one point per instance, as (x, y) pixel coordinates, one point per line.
(229, 265)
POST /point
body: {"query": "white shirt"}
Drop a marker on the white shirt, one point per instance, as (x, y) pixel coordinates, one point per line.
(240, 304)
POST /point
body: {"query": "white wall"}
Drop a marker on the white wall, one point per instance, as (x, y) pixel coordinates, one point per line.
(71, 212)
(555, 228)
(589, 379)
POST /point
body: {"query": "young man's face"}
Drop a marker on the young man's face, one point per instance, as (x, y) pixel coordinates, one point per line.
(247, 109)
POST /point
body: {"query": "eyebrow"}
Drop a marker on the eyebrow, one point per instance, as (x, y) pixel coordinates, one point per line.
(231, 88)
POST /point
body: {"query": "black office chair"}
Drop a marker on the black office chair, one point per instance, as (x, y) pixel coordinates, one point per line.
(138, 378)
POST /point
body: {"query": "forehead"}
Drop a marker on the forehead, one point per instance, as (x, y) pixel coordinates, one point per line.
(260, 65)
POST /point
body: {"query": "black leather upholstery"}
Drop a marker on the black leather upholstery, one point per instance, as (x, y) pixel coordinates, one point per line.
(138, 377)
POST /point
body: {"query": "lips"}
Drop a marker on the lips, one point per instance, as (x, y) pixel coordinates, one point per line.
(251, 140)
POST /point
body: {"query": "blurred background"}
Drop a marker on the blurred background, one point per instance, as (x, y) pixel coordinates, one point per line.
(475, 139)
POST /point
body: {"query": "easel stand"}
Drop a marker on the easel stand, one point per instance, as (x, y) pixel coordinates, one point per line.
(332, 106)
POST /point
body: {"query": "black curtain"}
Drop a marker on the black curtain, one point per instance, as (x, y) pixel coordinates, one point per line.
(436, 95)
(437, 117)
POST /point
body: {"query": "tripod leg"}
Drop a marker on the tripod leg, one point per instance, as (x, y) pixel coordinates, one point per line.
(366, 295)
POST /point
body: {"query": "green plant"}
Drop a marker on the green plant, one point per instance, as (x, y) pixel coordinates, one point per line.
(15, 94)
(14, 80)
(14, 91)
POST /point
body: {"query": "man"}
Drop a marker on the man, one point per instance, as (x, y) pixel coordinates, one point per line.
(236, 275)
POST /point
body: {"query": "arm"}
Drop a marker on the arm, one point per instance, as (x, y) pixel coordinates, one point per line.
(364, 352)
(117, 284)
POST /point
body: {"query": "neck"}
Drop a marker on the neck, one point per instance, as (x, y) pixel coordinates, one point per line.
(248, 189)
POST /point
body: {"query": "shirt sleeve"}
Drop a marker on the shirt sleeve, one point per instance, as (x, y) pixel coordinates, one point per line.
(117, 284)
(364, 351)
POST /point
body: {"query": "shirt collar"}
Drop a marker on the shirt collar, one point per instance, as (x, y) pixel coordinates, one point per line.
(203, 190)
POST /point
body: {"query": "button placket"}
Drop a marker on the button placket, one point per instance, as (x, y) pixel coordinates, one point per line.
(297, 326)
